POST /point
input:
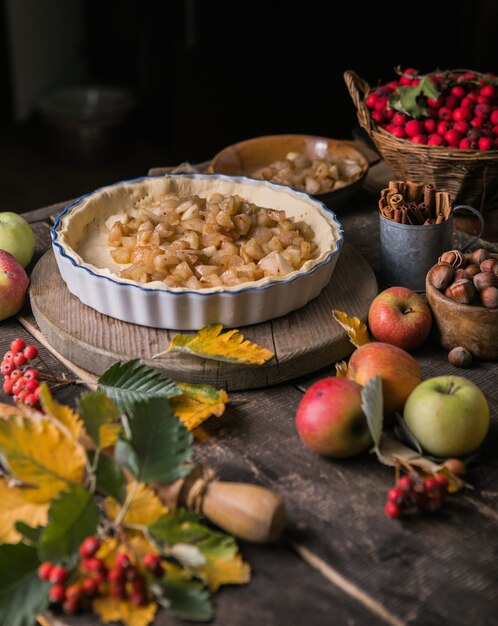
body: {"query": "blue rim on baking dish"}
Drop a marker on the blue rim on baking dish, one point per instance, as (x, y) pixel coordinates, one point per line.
(233, 306)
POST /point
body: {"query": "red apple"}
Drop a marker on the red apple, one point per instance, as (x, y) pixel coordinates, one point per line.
(13, 285)
(399, 371)
(401, 317)
(330, 421)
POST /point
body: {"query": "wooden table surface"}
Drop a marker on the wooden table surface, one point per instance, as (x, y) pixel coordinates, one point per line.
(341, 561)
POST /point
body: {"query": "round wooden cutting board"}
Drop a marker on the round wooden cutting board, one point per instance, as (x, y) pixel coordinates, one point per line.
(303, 341)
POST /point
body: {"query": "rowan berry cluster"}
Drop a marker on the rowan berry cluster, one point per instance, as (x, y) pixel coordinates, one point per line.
(21, 380)
(127, 579)
(413, 494)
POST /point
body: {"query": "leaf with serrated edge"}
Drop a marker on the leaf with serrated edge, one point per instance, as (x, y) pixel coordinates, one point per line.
(28, 532)
(73, 516)
(211, 343)
(110, 478)
(13, 508)
(132, 381)
(41, 456)
(96, 410)
(341, 369)
(111, 609)
(356, 329)
(60, 412)
(223, 564)
(186, 599)
(23, 595)
(160, 441)
(144, 509)
(198, 402)
(373, 407)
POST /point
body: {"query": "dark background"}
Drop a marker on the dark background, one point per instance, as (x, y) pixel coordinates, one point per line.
(205, 74)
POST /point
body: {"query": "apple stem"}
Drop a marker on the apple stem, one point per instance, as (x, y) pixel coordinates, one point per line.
(408, 310)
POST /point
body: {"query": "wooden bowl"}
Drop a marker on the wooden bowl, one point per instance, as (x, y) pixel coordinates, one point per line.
(245, 157)
(469, 326)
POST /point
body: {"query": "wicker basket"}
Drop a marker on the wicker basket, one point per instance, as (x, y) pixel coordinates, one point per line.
(470, 176)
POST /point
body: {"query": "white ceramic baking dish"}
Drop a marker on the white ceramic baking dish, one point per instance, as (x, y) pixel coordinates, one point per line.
(154, 304)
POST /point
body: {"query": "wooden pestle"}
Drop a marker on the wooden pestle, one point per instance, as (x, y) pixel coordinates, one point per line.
(249, 512)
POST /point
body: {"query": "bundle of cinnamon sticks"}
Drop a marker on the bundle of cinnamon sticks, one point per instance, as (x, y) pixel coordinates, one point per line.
(407, 202)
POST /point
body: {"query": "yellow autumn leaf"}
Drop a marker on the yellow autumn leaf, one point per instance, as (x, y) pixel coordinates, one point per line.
(144, 508)
(111, 609)
(6, 410)
(198, 402)
(356, 329)
(225, 571)
(341, 369)
(211, 343)
(60, 412)
(135, 545)
(40, 456)
(108, 434)
(13, 508)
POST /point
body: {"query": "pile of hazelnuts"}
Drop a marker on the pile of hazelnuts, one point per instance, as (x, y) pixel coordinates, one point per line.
(470, 278)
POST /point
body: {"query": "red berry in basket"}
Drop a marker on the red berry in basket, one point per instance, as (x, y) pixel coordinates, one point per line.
(494, 117)
(89, 547)
(421, 139)
(461, 114)
(381, 103)
(483, 100)
(389, 114)
(57, 593)
(485, 143)
(430, 125)
(467, 103)
(458, 91)
(17, 345)
(444, 113)
(435, 104)
(494, 130)
(413, 127)
(468, 144)
(58, 574)
(443, 128)
(451, 102)
(477, 122)
(482, 110)
(393, 84)
(390, 127)
(378, 116)
(371, 100)
(399, 119)
(488, 91)
(44, 570)
(461, 127)
(435, 140)
(453, 137)
(399, 132)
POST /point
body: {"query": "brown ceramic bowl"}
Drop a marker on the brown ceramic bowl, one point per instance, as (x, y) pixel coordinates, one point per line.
(245, 157)
(466, 325)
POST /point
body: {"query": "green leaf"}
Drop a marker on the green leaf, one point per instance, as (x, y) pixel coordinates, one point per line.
(186, 599)
(373, 406)
(160, 441)
(32, 534)
(110, 478)
(72, 517)
(406, 99)
(97, 409)
(125, 456)
(131, 381)
(23, 595)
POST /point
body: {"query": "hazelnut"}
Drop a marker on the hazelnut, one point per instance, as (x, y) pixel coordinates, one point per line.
(479, 255)
(455, 466)
(460, 357)
(488, 265)
(462, 291)
(485, 279)
(472, 269)
(453, 257)
(489, 297)
(442, 275)
(461, 273)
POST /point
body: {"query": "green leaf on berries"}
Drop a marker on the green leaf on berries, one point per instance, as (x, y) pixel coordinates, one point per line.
(406, 99)
(159, 443)
(110, 478)
(73, 516)
(131, 381)
(31, 534)
(23, 595)
(185, 599)
(97, 409)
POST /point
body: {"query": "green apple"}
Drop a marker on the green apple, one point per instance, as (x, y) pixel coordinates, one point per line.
(16, 237)
(448, 415)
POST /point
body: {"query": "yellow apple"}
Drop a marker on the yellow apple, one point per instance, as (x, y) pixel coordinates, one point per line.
(16, 237)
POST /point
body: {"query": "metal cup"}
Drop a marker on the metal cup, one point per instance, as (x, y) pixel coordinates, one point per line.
(408, 251)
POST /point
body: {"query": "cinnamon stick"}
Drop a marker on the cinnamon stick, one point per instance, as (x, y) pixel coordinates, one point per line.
(413, 191)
